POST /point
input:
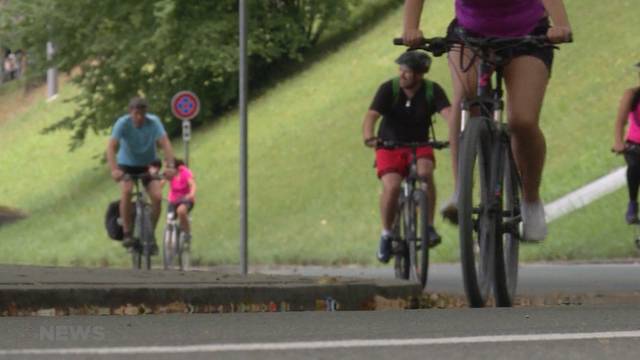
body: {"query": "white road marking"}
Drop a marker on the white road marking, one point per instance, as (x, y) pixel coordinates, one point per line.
(314, 345)
(586, 194)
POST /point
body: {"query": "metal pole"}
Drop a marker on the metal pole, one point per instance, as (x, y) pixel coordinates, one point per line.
(243, 139)
(52, 73)
(186, 137)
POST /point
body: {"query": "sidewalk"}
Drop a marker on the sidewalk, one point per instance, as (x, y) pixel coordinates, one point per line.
(31, 290)
(46, 291)
(539, 284)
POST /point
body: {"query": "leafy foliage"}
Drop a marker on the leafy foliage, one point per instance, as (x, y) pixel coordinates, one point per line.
(117, 49)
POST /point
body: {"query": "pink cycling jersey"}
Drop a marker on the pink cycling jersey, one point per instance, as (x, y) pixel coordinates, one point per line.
(502, 18)
(179, 185)
(633, 132)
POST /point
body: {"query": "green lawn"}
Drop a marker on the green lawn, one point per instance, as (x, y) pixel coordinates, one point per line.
(313, 193)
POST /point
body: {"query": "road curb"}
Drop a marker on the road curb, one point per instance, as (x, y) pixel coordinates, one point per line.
(86, 300)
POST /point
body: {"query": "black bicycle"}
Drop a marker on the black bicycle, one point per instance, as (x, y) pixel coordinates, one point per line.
(410, 244)
(490, 187)
(141, 251)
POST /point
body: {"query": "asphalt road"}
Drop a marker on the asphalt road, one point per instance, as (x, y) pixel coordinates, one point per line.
(568, 332)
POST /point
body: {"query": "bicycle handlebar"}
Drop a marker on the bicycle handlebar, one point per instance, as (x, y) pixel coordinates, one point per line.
(440, 45)
(413, 144)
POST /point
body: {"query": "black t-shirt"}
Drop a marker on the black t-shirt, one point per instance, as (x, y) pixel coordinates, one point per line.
(404, 119)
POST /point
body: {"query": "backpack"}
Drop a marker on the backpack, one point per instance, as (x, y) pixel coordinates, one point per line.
(111, 221)
(428, 90)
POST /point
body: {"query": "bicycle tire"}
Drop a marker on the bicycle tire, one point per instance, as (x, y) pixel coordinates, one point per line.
(402, 265)
(477, 250)
(507, 239)
(419, 246)
(168, 248)
(146, 236)
(136, 258)
(184, 258)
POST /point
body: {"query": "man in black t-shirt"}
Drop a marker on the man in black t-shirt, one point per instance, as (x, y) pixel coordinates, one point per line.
(406, 113)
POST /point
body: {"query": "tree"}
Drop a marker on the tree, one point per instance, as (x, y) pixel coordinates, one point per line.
(158, 47)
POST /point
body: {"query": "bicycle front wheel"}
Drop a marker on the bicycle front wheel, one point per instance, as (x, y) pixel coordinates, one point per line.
(146, 237)
(477, 250)
(507, 238)
(419, 241)
(136, 257)
(402, 263)
(169, 242)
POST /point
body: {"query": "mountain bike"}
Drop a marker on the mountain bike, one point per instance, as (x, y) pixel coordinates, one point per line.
(490, 187)
(410, 244)
(175, 251)
(141, 251)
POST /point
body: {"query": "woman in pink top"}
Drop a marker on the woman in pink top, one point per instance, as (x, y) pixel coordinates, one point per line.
(526, 78)
(182, 196)
(629, 112)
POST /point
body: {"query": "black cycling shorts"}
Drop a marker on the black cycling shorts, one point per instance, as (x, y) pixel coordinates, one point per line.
(543, 53)
(174, 206)
(137, 170)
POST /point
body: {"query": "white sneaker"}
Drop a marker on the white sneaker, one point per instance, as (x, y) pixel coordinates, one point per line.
(534, 226)
(449, 209)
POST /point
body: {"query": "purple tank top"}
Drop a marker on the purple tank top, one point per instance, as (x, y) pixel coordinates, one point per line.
(502, 18)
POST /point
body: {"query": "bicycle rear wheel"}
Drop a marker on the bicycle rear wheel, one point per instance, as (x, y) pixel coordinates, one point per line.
(402, 264)
(419, 239)
(477, 250)
(507, 238)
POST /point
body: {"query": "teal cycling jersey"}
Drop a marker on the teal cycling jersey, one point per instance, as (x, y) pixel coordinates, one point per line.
(137, 145)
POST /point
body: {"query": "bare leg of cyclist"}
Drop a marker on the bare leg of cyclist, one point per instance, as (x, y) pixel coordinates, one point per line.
(183, 217)
(154, 189)
(388, 204)
(126, 188)
(425, 172)
(389, 198)
(464, 84)
(526, 78)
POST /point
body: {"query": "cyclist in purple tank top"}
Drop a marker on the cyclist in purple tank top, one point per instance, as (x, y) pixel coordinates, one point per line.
(526, 77)
(629, 145)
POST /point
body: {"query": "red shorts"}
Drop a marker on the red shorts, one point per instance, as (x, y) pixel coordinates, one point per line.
(398, 160)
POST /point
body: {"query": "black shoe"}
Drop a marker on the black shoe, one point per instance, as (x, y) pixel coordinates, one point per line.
(154, 248)
(434, 237)
(128, 241)
(384, 249)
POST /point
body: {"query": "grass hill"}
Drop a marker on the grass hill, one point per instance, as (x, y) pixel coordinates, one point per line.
(313, 192)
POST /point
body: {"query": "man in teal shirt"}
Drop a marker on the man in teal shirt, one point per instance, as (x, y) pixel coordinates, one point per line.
(135, 137)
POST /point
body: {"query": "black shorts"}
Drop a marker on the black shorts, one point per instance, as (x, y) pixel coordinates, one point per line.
(545, 54)
(137, 170)
(174, 206)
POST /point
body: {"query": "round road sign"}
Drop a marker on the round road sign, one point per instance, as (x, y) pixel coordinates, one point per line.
(185, 105)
